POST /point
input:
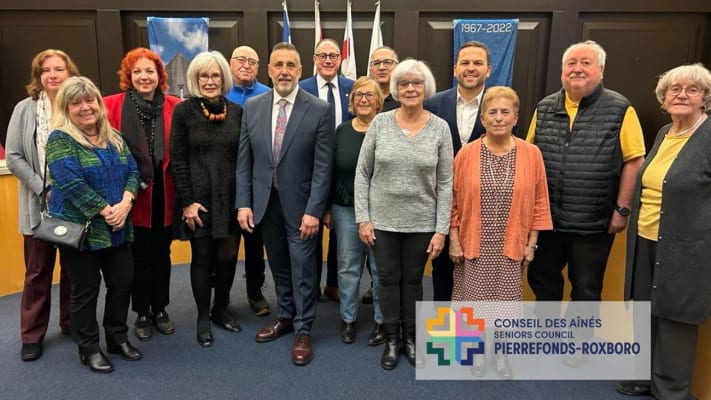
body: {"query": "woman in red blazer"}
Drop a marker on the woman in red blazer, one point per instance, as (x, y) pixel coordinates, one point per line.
(143, 113)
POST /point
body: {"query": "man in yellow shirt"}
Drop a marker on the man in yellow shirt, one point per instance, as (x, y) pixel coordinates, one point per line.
(592, 146)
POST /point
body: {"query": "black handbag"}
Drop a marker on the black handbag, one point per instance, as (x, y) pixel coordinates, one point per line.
(57, 231)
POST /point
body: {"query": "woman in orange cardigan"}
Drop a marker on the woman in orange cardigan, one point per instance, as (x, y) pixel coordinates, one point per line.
(500, 203)
(143, 113)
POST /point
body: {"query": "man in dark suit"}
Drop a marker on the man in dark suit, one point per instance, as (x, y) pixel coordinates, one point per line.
(284, 172)
(329, 86)
(459, 106)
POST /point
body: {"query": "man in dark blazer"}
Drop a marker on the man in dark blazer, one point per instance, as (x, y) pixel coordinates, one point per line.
(285, 192)
(460, 107)
(327, 59)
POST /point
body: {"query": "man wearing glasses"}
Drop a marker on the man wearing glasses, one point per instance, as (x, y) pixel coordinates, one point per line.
(244, 65)
(381, 65)
(333, 88)
(459, 106)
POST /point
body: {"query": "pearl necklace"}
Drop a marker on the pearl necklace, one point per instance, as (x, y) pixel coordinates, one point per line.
(691, 128)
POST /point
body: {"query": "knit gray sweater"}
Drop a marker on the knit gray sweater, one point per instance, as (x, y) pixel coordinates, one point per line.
(405, 184)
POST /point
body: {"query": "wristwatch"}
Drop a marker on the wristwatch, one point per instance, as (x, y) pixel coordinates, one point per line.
(624, 211)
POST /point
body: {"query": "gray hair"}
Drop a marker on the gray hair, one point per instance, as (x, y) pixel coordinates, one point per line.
(590, 44)
(692, 72)
(200, 63)
(412, 66)
(385, 48)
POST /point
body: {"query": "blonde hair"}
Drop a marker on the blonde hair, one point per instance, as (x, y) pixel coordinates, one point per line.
(500, 92)
(35, 86)
(82, 88)
(200, 63)
(361, 82)
(692, 72)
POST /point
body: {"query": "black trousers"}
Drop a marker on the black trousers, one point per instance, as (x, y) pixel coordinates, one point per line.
(586, 256)
(442, 275)
(151, 260)
(85, 271)
(212, 255)
(673, 342)
(401, 259)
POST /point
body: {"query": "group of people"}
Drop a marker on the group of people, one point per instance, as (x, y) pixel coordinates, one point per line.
(397, 172)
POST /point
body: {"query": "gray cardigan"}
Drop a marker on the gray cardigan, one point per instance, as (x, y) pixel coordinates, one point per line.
(405, 184)
(682, 271)
(22, 161)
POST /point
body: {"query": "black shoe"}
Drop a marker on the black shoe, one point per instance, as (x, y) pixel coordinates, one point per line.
(479, 365)
(348, 332)
(390, 354)
(410, 348)
(226, 320)
(259, 305)
(634, 388)
(30, 351)
(503, 368)
(368, 296)
(125, 349)
(204, 334)
(377, 336)
(97, 362)
(142, 328)
(163, 323)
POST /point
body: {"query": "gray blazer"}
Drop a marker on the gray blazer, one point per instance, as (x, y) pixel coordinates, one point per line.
(682, 271)
(22, 161)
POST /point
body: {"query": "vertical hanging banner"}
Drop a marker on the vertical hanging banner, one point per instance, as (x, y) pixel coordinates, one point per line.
(285, 30)
(348, 63)
(177, 41)
(499, 35)
(317, 28)
(376, 37)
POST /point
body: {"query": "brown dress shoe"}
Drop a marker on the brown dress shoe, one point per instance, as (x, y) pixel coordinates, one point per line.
(332, 293)
(274, 330)
(302, 354)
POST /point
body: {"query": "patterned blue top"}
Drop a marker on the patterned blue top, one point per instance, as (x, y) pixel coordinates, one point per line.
(84, 181)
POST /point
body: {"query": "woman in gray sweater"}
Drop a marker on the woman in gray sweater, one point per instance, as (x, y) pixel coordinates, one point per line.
(403, 197)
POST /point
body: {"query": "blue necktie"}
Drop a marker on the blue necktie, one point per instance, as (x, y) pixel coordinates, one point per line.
(332, 102)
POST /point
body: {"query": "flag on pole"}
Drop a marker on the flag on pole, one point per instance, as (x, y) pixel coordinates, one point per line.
(348, 66)
(376, 38)
(317, 28)
(285, 31)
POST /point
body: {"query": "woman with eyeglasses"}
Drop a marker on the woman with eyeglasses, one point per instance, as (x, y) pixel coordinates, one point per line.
(403, 196)
(366, 100)
(203, 150)
(669, 229)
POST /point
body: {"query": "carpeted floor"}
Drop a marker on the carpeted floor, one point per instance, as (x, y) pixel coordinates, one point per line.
(236, 367)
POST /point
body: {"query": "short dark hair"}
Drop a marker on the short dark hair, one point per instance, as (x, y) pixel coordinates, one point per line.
(475, 43)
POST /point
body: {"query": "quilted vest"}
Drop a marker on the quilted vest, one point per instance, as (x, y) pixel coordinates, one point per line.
(583, 165)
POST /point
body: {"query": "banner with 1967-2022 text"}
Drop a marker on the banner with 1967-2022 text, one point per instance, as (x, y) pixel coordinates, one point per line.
(499, 35)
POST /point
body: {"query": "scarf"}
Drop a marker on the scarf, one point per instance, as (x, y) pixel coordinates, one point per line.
(44, 116)
(142, 127)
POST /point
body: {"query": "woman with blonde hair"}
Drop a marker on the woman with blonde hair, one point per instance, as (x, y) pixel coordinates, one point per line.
(94, 178)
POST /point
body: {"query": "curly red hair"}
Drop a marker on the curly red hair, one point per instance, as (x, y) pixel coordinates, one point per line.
(129, 61)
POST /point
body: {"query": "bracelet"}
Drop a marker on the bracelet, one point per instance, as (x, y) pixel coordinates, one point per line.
(532, 246)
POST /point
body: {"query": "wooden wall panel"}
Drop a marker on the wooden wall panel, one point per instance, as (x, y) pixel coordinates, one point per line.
(639, 48)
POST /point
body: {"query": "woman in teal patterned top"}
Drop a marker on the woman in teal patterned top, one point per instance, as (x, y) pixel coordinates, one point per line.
(94, 177)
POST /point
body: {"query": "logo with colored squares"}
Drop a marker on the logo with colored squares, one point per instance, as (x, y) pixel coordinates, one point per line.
(455, 334)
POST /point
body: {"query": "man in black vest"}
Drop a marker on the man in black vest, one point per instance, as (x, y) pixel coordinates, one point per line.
(459, 106)
(592, 146)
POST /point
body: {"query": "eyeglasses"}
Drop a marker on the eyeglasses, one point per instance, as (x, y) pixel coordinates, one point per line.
(323, 56)
(417, 83)
(242, 60)
(217, 78)
(691, 91)
(387, 63)
(359, 95)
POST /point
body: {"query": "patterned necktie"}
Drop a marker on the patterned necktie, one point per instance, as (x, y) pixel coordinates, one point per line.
(332, 102)
(278, 137)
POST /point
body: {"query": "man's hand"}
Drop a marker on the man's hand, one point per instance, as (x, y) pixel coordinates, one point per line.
(309, 226)
(245, 218)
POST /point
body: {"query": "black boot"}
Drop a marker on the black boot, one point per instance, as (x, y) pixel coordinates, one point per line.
(392, 346)
(410, 344)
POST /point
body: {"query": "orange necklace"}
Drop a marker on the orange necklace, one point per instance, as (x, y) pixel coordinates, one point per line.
(214, 117)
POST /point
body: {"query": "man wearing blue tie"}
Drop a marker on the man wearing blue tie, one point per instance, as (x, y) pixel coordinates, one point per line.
(329, 86)
(284, 169)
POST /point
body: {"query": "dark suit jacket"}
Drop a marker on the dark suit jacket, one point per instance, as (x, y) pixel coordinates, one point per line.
(444, 105)
(344, 89)
(305, 164)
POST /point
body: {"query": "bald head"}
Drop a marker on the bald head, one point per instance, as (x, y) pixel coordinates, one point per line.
(244, 64)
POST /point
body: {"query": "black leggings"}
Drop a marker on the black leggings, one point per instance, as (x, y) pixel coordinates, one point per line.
(218, 256)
